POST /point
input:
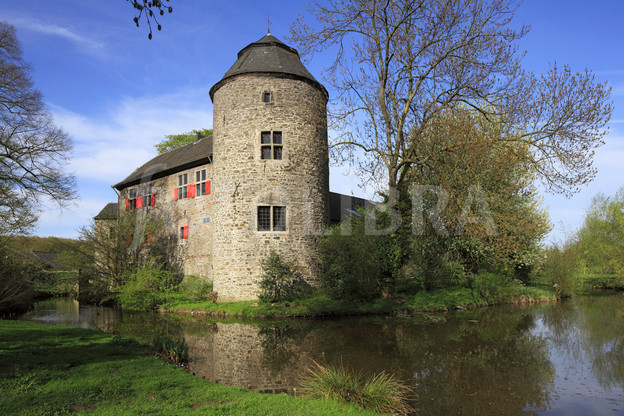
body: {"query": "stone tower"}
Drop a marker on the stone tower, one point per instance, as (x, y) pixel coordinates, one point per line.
(271, 169)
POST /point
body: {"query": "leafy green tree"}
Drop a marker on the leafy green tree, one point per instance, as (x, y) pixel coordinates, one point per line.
(483, 198)
(600, 240)
(173, 141)
(34, 153)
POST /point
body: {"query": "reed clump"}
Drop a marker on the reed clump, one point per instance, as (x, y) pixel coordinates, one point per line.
(382, 393)
(171, 349)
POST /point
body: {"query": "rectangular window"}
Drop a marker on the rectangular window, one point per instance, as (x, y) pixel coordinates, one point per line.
(181, 191)
(200, 175)
(140, 197)
(200, 185)
(264, 218)
(271, 145)
(271, 218)
(266, 97)
(131, 203)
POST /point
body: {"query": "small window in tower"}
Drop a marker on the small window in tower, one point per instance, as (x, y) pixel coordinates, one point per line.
(266, 97)
(271, 218)
(271, 145)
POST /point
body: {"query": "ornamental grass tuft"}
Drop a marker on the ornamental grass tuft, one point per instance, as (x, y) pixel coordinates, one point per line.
(382, 393)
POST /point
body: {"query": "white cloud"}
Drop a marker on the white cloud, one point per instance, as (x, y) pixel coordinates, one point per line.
(111, 146)
(107, 148)
(83, 42)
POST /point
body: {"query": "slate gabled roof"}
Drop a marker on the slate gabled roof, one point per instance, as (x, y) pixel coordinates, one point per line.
(109, 212)
(186, 157)
(268, 55)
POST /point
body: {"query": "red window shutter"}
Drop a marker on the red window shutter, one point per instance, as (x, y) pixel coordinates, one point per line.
(127, 205)
(207, 187)
(139, 202)
(185, 233)
(175, 194)
(190, 191)
(153, 200)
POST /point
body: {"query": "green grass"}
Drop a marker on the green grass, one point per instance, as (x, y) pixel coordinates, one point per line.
(322, 306)
(601, 281)
(51, 370)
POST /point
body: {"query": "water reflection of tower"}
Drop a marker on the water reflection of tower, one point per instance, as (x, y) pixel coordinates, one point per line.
(238, 355)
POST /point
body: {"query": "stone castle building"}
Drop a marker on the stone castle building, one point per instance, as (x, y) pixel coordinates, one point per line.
(259, 183)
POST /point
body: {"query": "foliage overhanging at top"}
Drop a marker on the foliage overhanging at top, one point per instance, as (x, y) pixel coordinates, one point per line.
(149, 9)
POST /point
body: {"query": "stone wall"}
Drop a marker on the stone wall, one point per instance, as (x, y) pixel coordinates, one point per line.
(194, 252)
(243, 181)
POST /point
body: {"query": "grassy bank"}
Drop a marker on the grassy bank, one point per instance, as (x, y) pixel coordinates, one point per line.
(601, 281)
(322, 306)
(56, 370)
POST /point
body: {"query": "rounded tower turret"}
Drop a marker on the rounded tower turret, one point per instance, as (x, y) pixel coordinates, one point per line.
(270, 167)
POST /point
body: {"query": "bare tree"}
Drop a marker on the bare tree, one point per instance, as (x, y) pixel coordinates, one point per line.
(33, 152)
(401, 63)
(150, 9)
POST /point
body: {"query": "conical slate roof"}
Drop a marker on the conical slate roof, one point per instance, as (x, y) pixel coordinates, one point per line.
(268, 55)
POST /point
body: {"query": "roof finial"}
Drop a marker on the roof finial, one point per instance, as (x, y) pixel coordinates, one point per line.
(268, 25)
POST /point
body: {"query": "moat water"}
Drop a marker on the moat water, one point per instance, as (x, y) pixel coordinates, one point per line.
(556, 359)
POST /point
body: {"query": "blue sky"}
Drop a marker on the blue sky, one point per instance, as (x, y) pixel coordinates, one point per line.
(118, 93)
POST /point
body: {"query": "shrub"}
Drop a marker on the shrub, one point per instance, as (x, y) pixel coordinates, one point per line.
(147, 289)
(196, 288)
(382, 393)
(171, 349)
(493, 287)
(439, 273)
(356, 265)
(280, 280)
(559, 271)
